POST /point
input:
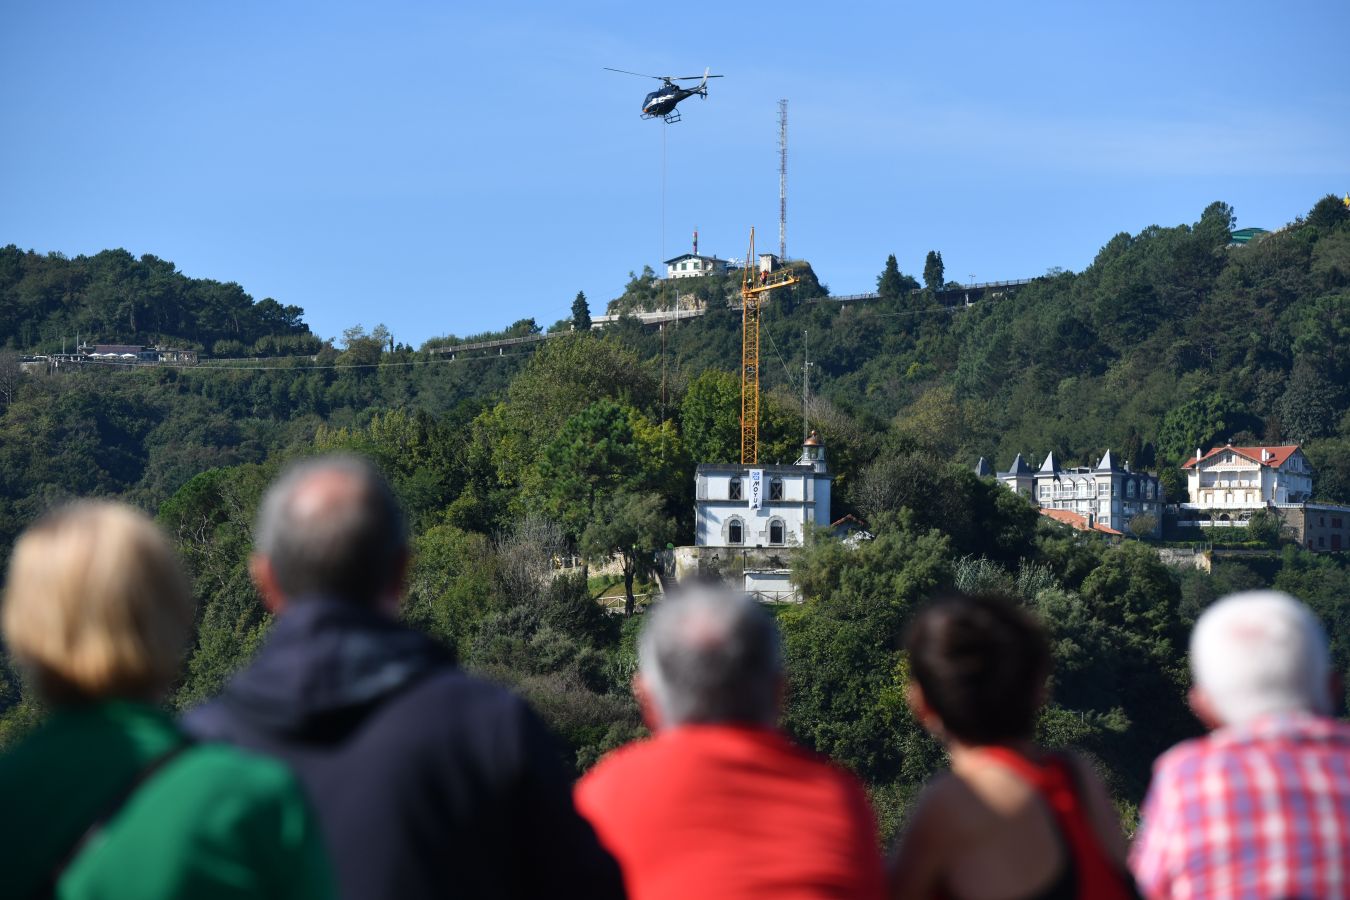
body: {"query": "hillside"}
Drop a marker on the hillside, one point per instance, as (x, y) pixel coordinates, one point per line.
(46, 302)
(1170, 340)
(586, 443)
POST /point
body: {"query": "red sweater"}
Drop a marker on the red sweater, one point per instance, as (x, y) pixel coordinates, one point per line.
(710, 812)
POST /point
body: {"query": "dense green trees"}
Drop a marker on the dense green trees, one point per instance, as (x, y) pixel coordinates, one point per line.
(47, 302)
(509, 465)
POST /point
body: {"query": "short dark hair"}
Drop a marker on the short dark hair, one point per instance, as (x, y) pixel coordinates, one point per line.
(981, 662)
(351, 552)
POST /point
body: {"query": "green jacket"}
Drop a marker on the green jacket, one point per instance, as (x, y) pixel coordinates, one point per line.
(213, 822)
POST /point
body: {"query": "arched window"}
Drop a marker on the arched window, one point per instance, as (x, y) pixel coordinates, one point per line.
(776, 489)
(734, 491)
(735, 532)
(776, 531)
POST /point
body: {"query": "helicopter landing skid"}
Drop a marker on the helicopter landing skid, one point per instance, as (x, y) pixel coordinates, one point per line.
(670, 118)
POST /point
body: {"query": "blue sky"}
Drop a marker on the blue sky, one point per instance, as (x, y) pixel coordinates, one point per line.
(441, 167)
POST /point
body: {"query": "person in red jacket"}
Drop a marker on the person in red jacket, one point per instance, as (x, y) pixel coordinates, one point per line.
(719, 803)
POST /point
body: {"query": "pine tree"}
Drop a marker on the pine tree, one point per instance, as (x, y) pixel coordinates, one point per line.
(889, 284)
(581, 313)
(932, 271)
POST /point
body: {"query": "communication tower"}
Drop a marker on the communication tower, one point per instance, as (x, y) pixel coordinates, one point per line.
(782, 180)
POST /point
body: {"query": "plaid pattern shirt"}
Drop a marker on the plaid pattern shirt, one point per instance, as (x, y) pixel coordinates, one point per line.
(1252, 812)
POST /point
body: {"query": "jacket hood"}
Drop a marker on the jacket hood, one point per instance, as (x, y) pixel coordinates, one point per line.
(325, 664)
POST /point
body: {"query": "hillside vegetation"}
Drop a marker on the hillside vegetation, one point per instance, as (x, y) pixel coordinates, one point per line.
(1169, 340)
(47, 302)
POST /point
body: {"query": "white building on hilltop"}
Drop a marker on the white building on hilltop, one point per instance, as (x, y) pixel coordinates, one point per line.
(691, 265)
(1105, 494)
(762, 506)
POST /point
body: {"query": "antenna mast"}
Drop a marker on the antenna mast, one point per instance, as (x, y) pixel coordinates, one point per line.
(782, 179)
(806, 383)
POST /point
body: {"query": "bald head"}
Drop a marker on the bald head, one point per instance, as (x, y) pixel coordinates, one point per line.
(331, 527)
(709, 655)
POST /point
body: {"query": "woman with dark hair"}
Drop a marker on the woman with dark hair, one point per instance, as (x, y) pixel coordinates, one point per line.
(1009, 820)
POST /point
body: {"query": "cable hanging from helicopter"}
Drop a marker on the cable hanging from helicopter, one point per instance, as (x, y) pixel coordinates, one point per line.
(662, 102)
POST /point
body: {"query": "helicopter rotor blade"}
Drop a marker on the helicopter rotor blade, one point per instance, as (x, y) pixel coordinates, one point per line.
(638, 74)
(695, 77)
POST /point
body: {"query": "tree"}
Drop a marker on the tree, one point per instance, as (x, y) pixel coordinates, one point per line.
(1132, 588)
(1143, 525)
(362, 349)
(1329, 213)
(593, 454)
(1311, 402)
(977, 516)
(210, 522)
(710, 417)
(943, 422)
(889, 284)
(1264, 526)
(581, 313)
(599, 476)
(846, 674)
(1199, 424)
(633, 525)
(450, 583)
(1216, 224)
(933, 271)
(1173, 485)
(10, 376)
(563, 377)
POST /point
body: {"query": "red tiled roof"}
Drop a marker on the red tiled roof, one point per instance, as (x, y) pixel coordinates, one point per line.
(1077, 520)
(1278, 455)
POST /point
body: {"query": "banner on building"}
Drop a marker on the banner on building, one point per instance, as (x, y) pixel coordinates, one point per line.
(756, 487)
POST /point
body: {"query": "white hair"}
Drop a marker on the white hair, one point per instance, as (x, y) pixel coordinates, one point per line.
(1260, 652)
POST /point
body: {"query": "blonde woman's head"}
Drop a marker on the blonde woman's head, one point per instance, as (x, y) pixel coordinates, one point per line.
(96, 605)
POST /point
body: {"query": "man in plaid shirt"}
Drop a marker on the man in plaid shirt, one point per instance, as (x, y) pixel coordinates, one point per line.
(1261, 806)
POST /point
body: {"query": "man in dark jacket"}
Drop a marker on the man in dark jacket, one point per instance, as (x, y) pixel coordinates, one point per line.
(427, 782)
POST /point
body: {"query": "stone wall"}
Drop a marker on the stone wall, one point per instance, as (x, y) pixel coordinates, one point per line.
(728, 563)
(1183, 558)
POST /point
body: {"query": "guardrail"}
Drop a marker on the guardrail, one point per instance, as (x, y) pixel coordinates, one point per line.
(650, 317)
(497, 344)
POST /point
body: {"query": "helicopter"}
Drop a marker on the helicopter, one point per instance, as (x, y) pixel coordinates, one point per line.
(662, 101)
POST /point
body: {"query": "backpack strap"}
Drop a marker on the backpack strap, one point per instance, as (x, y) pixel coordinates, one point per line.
(47, 887)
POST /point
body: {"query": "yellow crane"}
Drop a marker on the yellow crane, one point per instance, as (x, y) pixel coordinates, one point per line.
(755, 287)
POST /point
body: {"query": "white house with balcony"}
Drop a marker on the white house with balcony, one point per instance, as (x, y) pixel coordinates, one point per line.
(767, 506)
(1107, 493)
(691, 265)
(1232, 479)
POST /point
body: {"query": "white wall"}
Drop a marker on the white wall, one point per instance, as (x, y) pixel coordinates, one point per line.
(1242, 484)
(806, 500)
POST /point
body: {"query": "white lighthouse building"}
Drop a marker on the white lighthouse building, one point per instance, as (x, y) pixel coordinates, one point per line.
(740, 506)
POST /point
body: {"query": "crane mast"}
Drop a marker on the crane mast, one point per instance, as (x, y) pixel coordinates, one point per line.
(755, 288)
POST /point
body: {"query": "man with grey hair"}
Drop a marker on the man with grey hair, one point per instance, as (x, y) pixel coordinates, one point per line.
(1261, 806)
(719, 802)
(428, 783)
